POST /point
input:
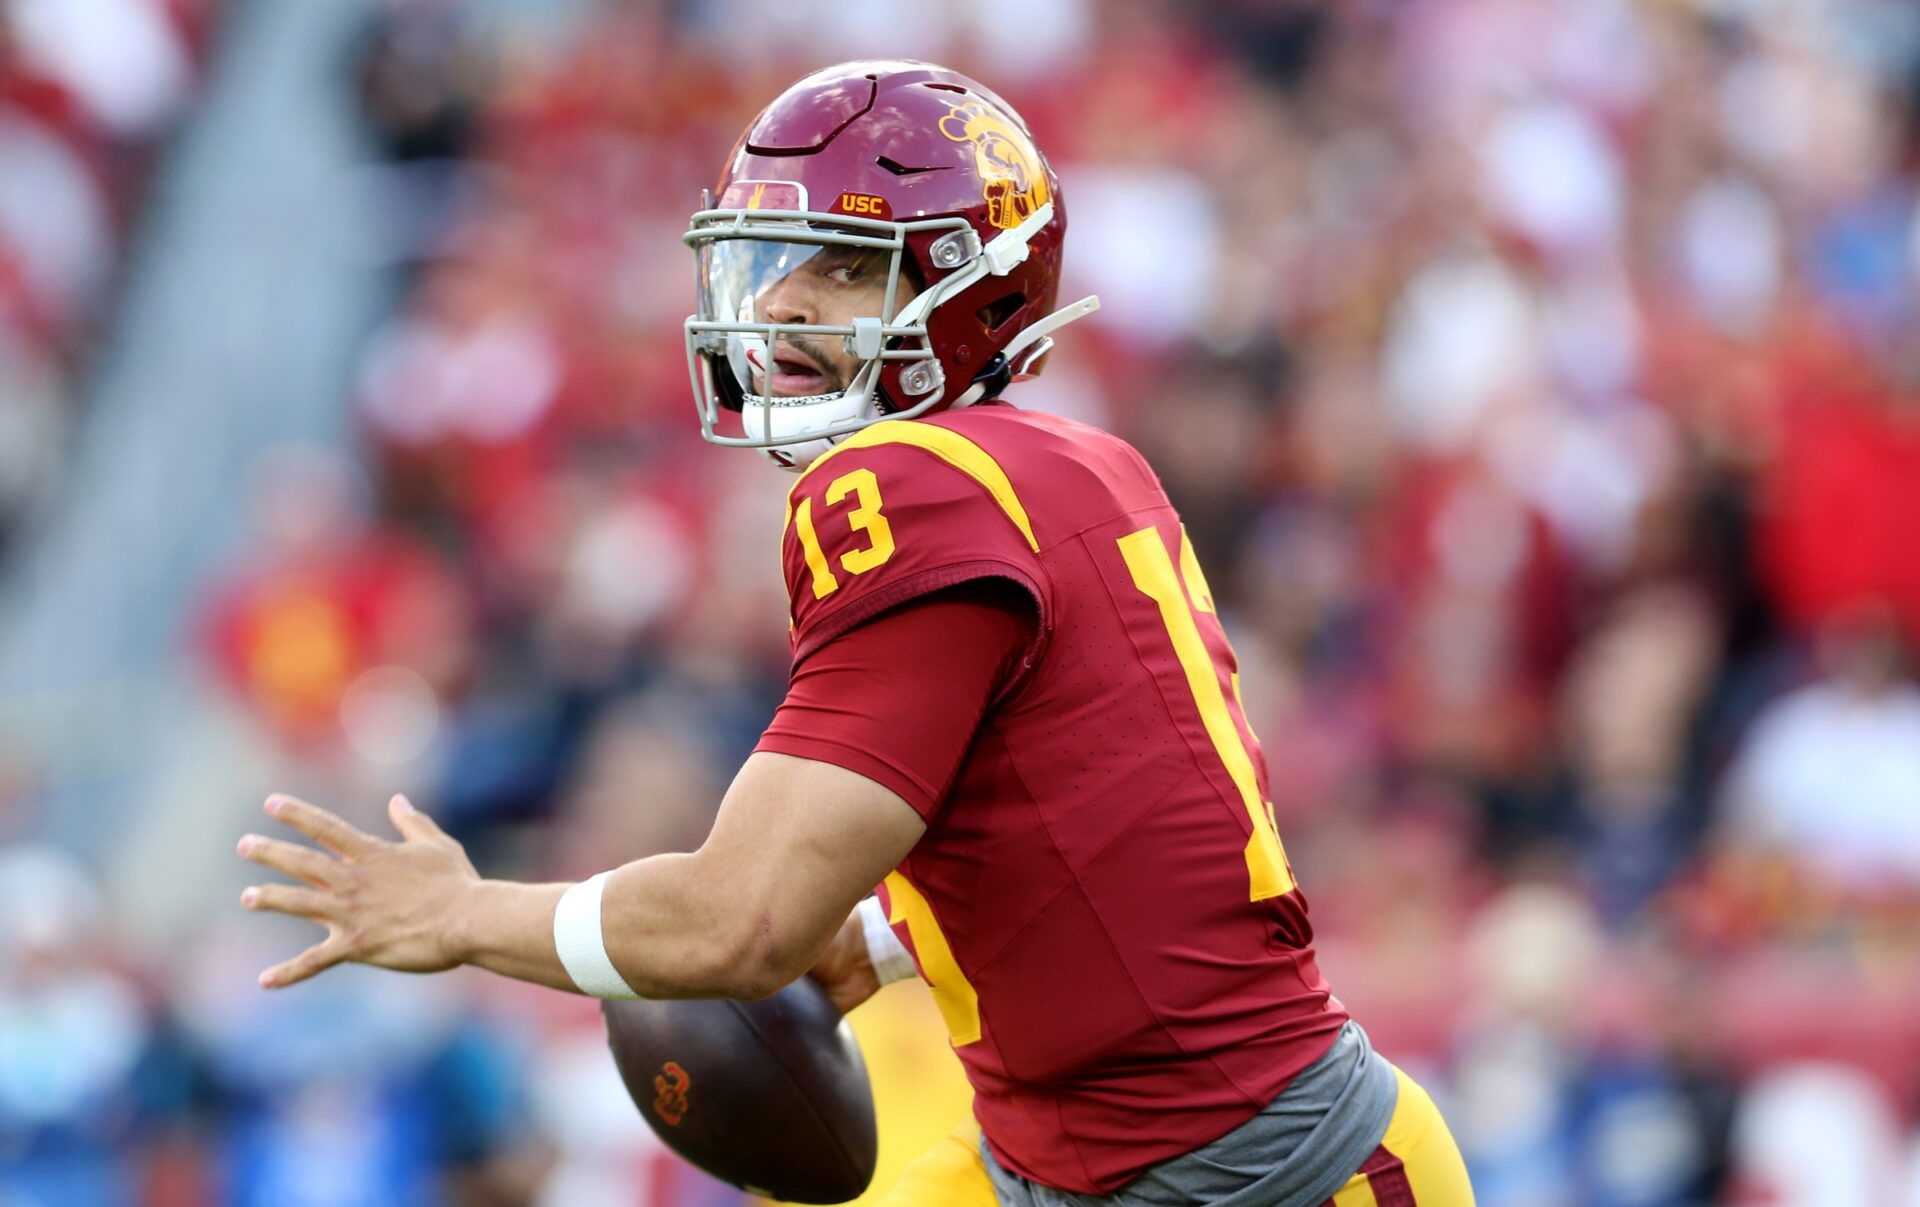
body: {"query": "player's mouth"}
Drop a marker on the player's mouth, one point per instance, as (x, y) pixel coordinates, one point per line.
(796, 375)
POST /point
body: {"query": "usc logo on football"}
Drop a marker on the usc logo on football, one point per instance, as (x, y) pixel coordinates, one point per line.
(670, 1093)
(1016, 183)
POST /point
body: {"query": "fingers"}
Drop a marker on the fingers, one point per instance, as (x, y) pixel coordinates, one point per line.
(311, 962)
(331, 892)
(290, 899)
(300, 862)
(411, 822)
(321, 826)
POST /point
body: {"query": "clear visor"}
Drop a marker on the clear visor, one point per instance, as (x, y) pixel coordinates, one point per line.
(746, 279)
(810, 295)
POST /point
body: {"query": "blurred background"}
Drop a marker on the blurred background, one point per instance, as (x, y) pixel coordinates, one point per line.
(1539, 379)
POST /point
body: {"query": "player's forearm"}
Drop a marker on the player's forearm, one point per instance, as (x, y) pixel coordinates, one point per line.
(665, 931)
(507, 928)
(795, 846)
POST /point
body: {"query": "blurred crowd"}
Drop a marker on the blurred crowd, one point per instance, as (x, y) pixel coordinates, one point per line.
(89, 92)
(1539, 381)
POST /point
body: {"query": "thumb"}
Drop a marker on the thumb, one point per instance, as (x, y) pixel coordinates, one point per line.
(411, 822)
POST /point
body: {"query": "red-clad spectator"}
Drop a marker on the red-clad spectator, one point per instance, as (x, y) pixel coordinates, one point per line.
(1841, 498)
(323, 598)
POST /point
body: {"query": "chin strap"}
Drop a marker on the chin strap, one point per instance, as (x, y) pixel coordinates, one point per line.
(1039, 336)
(1027, 347)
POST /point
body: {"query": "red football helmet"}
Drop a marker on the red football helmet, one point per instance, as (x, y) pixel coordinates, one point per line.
(899, 158)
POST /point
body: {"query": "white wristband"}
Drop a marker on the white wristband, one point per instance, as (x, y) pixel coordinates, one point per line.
(891, 960)
(577, 937)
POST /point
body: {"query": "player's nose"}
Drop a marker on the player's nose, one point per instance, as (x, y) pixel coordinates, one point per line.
(787, 301)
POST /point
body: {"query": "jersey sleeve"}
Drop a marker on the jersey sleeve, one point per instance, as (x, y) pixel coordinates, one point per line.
(871, 527)
(861, 701)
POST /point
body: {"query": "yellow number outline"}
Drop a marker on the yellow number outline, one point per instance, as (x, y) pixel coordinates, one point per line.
(1151, 565)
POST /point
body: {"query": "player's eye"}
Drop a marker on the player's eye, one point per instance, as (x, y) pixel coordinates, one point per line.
(850, 270)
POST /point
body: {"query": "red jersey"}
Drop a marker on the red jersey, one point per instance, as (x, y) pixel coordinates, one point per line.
(1100, 903)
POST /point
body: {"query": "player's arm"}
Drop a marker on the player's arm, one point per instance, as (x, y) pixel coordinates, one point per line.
(796, 844)
(857, 758)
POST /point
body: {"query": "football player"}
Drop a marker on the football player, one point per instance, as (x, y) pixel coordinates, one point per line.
(1012, 708)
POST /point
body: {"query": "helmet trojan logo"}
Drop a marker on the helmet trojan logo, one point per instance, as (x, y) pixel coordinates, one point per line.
(1016, 182)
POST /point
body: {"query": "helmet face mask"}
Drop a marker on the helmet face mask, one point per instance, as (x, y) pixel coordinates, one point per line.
(800, 316)
(927, 281)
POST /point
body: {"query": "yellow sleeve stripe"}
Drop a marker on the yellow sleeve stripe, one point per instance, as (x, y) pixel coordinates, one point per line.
(950, 446)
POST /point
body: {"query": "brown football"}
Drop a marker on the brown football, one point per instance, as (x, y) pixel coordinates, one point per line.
(771, 1096)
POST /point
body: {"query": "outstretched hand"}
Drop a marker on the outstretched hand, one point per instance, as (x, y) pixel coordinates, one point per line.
(388, 904)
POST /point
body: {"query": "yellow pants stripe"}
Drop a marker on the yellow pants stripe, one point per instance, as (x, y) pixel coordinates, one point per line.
(1430, 1163)
(1356, 1193)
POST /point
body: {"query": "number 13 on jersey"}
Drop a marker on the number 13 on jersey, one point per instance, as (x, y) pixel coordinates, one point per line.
(865, 517)
(1151, 565)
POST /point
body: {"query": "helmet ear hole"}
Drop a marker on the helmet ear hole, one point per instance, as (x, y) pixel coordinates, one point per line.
(1001, 311)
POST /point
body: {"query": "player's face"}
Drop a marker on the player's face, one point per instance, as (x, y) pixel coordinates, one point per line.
(831, 287)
